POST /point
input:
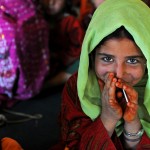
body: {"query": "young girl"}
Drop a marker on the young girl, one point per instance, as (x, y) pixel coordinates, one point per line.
(106, 105)
(65, 40)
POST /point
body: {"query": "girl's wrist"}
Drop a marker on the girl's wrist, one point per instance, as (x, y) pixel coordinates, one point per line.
(110, 127)
(130, 135)
(133, 127)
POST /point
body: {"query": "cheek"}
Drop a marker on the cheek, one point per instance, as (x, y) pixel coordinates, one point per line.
(141, 71)
(137, 75)
(101, 71)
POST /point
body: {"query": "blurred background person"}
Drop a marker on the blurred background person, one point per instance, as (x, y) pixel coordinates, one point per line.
(87, 9)
(66, 36)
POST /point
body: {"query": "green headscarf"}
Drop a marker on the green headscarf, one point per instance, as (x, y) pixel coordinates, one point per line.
(134, 15)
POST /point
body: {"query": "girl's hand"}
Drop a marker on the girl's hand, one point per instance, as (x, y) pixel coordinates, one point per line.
(130, 112)
(111, 110)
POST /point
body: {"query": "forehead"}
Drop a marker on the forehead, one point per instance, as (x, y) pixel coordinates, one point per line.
(121, 45)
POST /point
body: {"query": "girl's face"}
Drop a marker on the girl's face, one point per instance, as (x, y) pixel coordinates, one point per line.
(53, 7)
(122, 57)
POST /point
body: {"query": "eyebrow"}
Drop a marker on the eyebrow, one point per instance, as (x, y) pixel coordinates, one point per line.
(105, 54)
(134, 56)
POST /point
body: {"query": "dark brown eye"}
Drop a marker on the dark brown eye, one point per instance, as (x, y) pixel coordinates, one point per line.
(107, 59)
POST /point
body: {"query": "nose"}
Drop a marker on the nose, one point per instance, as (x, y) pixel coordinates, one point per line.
(120, 70)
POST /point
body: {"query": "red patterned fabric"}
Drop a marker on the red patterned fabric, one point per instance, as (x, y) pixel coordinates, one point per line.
(79, 132)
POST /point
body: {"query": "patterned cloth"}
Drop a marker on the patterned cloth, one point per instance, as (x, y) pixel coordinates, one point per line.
(24, 53)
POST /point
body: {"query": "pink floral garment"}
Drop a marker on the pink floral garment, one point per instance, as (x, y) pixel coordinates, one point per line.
(24, 53)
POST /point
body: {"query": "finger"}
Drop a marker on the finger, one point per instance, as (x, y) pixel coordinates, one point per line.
(116, 107)
(108, 79)
(132, 106)
(131, 94)
(119, 84)
(130, 113)
(112, 89)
